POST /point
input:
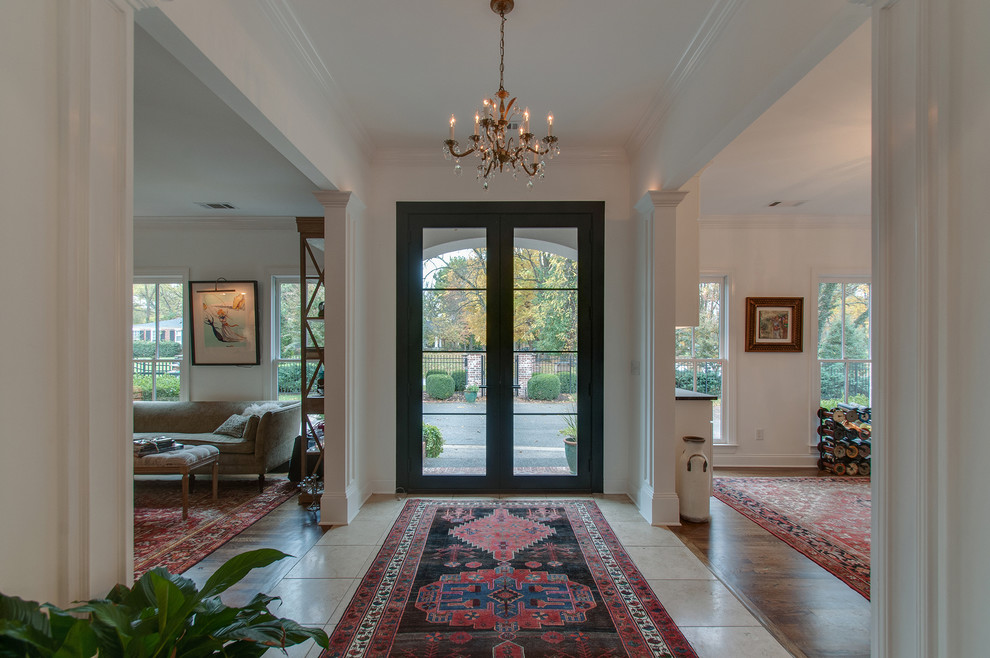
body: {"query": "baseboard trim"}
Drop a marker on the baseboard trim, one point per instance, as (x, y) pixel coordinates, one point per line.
(770, 461)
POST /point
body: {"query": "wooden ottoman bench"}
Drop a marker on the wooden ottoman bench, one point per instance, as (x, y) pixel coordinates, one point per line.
(182, 462)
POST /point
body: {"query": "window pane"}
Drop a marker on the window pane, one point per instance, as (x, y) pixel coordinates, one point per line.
(545, 320)
(857, 302)
(545, 258)
(706, 335)
(830, 321)
(859, 383)
(289, 318)
(454, 319)
(682, 343)
(833, 375)
(684, 375)
(455, 258)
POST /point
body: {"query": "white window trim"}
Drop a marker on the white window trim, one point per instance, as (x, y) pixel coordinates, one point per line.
(819, 277)
(728, 398)
(270, 351)
(170, 275)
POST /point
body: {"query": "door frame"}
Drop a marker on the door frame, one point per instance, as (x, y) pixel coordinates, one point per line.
(589, 216)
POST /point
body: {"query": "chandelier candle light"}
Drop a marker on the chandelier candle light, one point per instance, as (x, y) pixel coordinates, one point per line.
(492, 141)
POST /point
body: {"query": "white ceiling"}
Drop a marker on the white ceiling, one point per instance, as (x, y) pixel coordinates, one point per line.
(399, 69)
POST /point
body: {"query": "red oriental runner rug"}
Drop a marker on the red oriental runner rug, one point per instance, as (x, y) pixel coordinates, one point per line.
(504, 578)
(163, 539)
(826, 519)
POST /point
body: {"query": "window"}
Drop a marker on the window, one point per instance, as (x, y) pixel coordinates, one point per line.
(844, 350)
(286, 352)
(158, 309)
(699, 360)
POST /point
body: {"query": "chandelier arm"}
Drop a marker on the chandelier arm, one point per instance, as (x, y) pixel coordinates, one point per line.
(451, 145)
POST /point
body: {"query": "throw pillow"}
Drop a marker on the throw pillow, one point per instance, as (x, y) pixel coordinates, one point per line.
(259, 409)
(233, 426)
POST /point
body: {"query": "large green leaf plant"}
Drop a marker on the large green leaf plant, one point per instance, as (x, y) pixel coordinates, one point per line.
(162, 615)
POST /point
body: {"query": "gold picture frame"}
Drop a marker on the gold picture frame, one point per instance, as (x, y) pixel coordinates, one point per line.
(774, 324)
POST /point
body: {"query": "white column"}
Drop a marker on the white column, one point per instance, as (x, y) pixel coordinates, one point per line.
(342, 497)
(931, 274)
(656, 494)
(65, 195)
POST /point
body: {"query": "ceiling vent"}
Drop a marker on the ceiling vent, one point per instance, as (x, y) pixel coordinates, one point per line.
(216, 205)
(785, 204)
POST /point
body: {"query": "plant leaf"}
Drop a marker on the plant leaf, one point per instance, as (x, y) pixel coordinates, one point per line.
(17, 639)
(234, 569)
(276, 633)
(29, 613)
(80, 642)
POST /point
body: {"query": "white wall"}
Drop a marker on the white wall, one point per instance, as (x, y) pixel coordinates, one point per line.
(229, 248)
(777, 257)
(430, 178)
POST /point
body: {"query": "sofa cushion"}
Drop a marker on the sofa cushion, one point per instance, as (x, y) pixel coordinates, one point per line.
(233, 426)
(226, 444)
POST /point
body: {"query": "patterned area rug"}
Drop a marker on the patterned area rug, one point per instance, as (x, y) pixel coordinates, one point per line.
(163, 539)
(507, 578)
(825, 518)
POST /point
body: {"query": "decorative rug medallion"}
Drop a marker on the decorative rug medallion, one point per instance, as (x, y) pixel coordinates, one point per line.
(504, 578)
(163, 539)
(826, 519)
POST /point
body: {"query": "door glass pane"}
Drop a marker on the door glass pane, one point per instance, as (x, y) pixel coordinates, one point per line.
(454, 357)
(545, 343)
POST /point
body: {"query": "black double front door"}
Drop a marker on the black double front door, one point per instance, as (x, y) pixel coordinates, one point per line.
(499, 346)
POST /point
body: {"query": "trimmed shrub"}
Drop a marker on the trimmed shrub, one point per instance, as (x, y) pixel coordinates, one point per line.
(543, 386)
(433, 439)
(435, 371)
(460, 379)
(440, 387)
(168, 386)
(568, 382)
(145, 349)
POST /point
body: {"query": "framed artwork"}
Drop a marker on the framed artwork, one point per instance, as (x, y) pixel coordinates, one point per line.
(225, 324)
(773, 324)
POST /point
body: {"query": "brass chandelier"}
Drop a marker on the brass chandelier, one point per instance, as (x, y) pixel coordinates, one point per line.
(493, 140)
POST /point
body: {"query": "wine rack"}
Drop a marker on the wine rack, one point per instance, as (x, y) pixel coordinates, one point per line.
(845, 440)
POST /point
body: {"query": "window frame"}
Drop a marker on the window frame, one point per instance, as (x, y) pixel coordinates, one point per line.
(158, 277)
(844, 280)
(274, 344)
(722, 279)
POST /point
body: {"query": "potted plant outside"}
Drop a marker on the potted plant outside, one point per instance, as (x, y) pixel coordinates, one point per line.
(432, 441)
(471, 393)
(570, 442)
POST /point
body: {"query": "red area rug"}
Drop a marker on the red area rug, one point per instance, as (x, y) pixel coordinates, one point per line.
(501, 579)
(163, 539)
(825, 518)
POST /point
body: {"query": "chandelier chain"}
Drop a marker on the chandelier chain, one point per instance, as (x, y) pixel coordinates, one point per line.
(501, 54)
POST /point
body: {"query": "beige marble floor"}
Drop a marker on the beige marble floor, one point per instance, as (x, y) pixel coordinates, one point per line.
(316, 590)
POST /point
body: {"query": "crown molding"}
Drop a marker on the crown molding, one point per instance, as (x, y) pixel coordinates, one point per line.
(288, 27)
(691, 60)
(142, 4)
(752, 221)
(432, 156)
(215, 222)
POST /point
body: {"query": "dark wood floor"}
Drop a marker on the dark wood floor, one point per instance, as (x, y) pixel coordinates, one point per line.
(288, 528)
(810, 611)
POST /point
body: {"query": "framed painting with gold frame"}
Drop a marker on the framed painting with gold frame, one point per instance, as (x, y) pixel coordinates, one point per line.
(774, 324)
